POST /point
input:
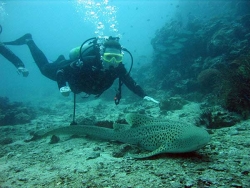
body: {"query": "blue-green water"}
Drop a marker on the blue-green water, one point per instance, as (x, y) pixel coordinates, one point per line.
(58, 26)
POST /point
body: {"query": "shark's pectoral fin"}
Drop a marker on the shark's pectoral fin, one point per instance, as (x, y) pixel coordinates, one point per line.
(149, 154)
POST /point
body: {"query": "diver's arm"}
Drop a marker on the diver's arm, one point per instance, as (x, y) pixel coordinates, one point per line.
(131, 84)
(61, 82)
(60, 78)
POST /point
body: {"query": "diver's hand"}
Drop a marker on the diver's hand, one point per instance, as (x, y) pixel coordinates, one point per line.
(151, 99)
(23, 71)
(65, 91)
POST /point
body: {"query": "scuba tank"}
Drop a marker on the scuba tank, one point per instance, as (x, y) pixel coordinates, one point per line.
(86, 49)
(74, 53)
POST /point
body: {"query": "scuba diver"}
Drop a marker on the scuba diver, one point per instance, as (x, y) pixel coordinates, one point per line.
(92, 67)
(16, 61)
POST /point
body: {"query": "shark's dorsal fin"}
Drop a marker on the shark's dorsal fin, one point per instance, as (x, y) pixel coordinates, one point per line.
(136, 120)
(121, 127)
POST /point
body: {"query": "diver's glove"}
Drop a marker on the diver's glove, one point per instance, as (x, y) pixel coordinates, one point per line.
(23, 71)
(151, 99)
(65, 91)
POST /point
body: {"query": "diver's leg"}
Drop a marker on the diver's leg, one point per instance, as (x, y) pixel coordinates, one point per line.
(46, 68)
(16, 61)
(20, 41)
(8, 54)
(36, 53)
(60, 59)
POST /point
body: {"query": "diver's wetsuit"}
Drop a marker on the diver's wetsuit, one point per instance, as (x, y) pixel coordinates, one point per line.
(8, 54)
(92, 80)
(89, 77)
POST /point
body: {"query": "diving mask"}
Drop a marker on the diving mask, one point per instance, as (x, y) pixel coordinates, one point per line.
(112, 57)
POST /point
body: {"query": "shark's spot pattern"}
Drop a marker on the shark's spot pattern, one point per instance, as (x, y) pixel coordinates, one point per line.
(152, 134)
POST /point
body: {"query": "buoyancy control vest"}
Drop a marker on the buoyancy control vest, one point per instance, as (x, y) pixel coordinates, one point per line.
(94, 48)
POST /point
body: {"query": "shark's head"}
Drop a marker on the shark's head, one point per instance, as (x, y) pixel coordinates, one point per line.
(170, 136)
(192, 138)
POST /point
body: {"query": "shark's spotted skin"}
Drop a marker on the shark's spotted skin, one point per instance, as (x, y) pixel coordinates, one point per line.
(151, 134)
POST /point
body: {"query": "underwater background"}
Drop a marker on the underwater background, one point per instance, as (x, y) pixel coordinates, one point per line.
(192, 56)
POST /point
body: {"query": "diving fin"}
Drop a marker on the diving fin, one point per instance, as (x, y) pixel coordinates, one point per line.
(20, 41)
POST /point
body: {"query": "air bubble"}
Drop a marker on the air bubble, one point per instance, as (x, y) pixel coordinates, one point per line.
(99, 11)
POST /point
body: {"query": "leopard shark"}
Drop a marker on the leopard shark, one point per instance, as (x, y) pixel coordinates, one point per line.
(152, 134)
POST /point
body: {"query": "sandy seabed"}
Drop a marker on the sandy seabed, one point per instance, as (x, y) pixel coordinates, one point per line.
(87, 162)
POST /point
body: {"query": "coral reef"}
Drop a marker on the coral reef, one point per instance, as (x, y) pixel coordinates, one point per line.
(14, 112)
(207, 57)
(54, 139)
(208, 79)
(197, 46)
(236, 86)
(217, 117)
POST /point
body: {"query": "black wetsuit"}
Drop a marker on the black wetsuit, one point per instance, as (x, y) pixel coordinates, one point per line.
(8, 54)
(89, 77)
